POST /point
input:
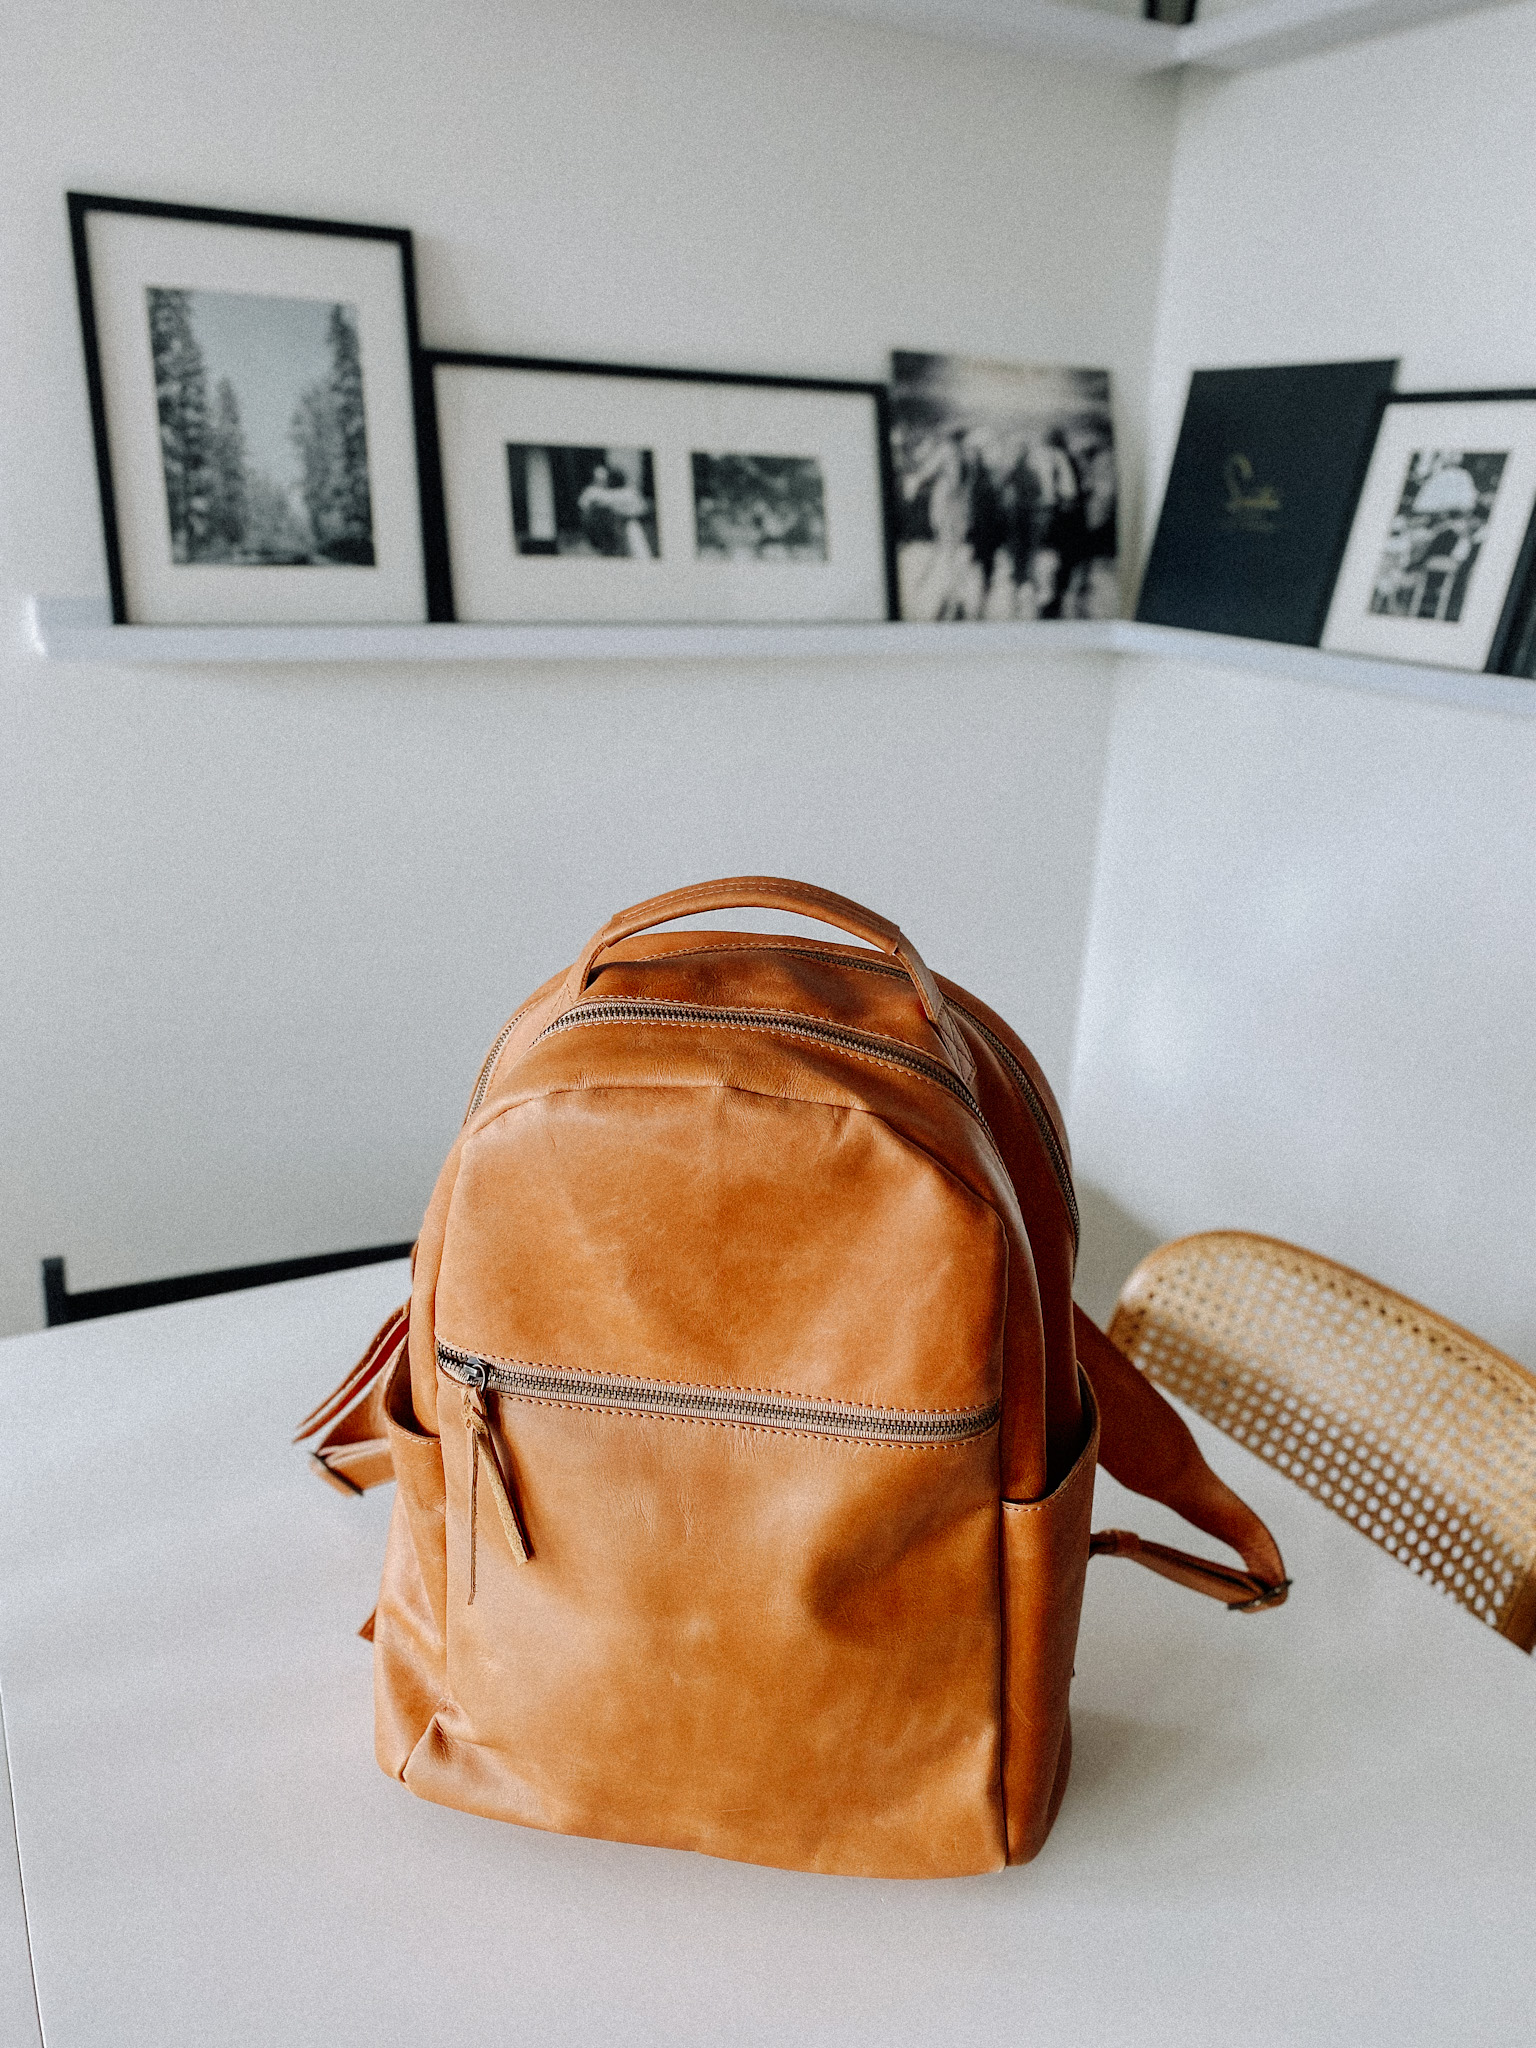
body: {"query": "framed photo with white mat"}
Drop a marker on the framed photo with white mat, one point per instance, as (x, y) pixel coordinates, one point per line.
(587, 492)
(255, 398)
(1442, 532)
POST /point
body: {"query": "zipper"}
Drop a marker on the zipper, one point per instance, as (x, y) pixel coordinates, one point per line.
(484, 1457)
(789, 1022)
(488, 1065)
(1019, 1074)
(1042, 1120)
(882, 1048)
(686, 1401)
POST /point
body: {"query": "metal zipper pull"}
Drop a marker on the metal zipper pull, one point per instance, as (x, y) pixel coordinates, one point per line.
(482, 1451)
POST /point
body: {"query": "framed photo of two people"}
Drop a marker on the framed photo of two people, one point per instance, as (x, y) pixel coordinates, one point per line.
(583, 491)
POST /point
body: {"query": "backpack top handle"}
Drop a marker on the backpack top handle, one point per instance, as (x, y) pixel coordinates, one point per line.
(799, 899)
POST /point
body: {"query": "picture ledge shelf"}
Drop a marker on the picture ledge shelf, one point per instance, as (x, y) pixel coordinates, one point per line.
(1241, 38)
(80, 630)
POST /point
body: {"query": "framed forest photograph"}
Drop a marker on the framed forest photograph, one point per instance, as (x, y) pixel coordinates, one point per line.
(255, 406)
(585, 492)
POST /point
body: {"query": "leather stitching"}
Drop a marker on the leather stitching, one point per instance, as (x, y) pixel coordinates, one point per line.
(1081, 1474)
(901, 1136)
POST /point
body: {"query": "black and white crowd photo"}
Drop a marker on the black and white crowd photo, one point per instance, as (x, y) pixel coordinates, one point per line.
(1005, 489)
(263, 440)
(583, 501)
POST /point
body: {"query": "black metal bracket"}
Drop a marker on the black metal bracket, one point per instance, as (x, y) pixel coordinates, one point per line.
(60, 1306)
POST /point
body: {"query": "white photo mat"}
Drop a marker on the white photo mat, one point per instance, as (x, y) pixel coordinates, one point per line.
(1436, 432)
(131, 253)
(485, 410)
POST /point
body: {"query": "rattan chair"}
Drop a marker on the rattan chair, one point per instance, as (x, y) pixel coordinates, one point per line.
(1421, 1435)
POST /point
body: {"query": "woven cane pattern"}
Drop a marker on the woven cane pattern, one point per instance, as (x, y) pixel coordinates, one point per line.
(1416, 1432)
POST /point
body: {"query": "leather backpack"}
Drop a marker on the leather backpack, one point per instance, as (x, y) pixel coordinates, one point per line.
(743, 1427)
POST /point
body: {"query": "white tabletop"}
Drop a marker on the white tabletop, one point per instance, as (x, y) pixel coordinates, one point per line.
(1310, 1826)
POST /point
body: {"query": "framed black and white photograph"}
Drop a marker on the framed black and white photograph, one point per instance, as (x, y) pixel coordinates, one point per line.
(255, 402)
(581, 492)
(1440, 533)
(1006, 494)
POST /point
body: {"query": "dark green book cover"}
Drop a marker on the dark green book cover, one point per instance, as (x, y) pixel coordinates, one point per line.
(1260, 497)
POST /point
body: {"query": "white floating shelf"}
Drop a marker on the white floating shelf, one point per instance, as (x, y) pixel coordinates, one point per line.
(1046, 28)
(1244, 37)
(80, 630)
(1334, 671)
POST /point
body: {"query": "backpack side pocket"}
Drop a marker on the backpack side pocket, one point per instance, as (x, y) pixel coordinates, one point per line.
(1045, 1561)
(410, 1629)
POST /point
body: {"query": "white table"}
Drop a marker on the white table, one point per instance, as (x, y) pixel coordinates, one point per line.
(1312, 1826)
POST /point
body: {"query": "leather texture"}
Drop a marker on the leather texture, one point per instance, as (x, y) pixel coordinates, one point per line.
(743, 1427)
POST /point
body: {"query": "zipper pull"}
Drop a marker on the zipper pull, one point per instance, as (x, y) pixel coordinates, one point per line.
(482, 1451)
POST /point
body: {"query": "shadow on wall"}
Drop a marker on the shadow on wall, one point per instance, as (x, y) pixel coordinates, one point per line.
(1113, 1243)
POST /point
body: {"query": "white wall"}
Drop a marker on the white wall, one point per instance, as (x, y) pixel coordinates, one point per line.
(256, 927)
(1312, 973)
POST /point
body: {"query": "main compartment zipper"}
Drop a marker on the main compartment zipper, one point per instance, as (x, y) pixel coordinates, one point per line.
(638, 1010)
(1054, 1150)
(685, 1401)
(869, 1042)
(1018, 1073)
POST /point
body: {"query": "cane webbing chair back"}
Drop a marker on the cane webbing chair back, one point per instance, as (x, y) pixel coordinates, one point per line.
(1418, 1433)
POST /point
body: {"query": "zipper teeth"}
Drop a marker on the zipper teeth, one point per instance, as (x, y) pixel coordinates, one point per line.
(803, 1413)
(1026, 1087)
(1043, 1124)
(628, 1009)
(489, 1065)
(786, 1020)
(488, 1068)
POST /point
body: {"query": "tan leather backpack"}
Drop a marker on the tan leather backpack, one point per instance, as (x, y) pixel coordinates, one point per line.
(743, 1426)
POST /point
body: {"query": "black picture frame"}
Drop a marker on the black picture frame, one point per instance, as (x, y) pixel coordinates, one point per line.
(81, 205)
(435, 513)
(1513, 636)
(1513, 649)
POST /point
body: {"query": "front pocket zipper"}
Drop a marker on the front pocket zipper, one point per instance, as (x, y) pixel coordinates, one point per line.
(685, 1401)
(679, 1401)
(484, 1457)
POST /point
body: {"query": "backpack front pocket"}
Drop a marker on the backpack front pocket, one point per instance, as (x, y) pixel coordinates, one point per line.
(748, 1617)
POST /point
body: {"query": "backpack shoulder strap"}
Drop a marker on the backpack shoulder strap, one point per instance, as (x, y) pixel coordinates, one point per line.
(1145, 1444)
(352, 1451)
